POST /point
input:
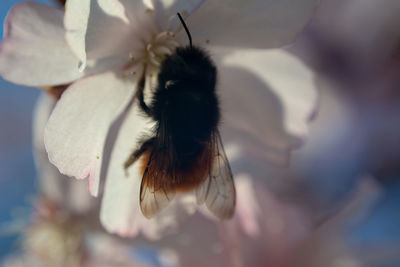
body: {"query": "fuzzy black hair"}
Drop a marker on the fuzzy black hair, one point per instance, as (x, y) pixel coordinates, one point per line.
(185, 103)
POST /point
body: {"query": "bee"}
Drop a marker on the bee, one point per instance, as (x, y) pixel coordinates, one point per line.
(185, 151)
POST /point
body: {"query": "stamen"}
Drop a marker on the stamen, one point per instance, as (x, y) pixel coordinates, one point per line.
(149, 49)
(148, 4)
(152, 54)
(163, 50)
(161, 37)
(154, 61)
(185, 13)
(172, 43)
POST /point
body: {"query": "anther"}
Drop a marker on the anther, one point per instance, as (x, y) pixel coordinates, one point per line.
(163, 50)
(161, 37)
(172, 43)
(154, 62)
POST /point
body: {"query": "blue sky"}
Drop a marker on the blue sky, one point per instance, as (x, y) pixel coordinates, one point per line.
(17, 171)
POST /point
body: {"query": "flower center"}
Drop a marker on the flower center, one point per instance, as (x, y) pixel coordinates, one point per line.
(160, 46)
(152, 54)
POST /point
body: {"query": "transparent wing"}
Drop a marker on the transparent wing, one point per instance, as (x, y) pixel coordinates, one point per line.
(218, 190)
(156, 189)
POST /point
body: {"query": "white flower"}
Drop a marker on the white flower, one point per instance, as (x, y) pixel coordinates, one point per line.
(69, 194)
(267, 96)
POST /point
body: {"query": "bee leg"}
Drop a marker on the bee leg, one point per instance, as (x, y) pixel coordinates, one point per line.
(140, 94)
(137, 153)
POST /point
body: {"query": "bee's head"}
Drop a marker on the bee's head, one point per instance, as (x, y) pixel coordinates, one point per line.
(189, 68)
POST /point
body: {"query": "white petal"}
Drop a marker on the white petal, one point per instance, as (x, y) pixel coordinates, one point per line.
(268, 96)
(97, 28)
(120, 211)
(78, 126)
(75, 22)
(251, 24)
(174, 6)
(165, 11)
(34, 51)
(70, 194)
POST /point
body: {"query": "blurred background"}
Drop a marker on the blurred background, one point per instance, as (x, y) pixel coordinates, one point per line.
(17, 170)
(337, 205)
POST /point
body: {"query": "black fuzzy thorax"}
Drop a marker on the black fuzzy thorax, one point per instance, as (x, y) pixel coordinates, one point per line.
(185, 104)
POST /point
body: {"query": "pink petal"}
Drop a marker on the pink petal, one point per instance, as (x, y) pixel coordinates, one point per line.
(34, 51)
(267, 99)
(248, 209)
(77, 129)
(251, 24)
(120, 211)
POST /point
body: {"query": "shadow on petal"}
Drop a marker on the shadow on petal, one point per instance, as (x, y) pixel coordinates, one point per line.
(253, 116)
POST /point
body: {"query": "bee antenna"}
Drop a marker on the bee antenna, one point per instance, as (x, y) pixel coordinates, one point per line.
(186, 29)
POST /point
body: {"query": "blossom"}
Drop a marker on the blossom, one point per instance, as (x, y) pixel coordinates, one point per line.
(69, 194)
(57, 237)
(53, 234)
(100, 47)
(61, 230)
(287, 233)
